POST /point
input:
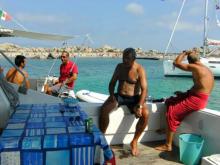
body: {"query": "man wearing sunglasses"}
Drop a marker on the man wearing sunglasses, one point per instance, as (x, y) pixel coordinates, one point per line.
(68, 75)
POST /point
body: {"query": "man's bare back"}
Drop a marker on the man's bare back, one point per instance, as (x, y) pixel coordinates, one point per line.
(16, 77)
(203, 78)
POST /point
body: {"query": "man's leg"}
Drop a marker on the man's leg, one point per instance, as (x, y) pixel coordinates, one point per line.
(169, 141)
(53, 89)
(46, 86)
(141, 125)
(105, 110)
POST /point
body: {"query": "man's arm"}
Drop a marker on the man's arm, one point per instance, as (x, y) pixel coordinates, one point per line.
(28, 84)
(9, 74)
(72, 78)
(74, 74)
(113, 81)
(178, 62)
(143, 83)
(1, 69)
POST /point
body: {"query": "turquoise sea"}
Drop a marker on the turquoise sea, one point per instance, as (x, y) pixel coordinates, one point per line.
(95, 74)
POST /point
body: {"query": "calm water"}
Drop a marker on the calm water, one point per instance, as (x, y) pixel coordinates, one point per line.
(95, 73)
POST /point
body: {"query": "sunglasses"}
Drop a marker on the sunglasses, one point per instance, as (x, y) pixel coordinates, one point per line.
(63, 56)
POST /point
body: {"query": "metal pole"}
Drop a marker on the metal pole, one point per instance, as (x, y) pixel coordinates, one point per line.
(205, 29)
(174, 28)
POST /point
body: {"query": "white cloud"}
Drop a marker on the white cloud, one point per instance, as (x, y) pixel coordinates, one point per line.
(135, 9)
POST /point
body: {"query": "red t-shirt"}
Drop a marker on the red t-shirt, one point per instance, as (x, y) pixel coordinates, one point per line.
(66, 70)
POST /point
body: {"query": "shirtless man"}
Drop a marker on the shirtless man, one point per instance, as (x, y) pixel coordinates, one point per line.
(15, 76)
(131, 91)
(187, 102)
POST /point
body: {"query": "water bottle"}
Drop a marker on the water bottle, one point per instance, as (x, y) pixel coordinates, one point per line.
(149, 99)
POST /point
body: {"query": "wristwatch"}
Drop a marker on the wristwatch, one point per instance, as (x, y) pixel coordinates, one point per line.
(139, 106)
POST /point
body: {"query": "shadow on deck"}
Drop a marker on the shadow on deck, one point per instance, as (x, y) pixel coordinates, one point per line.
(148, 155)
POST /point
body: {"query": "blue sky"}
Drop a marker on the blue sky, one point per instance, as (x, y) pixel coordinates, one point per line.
(146, 24)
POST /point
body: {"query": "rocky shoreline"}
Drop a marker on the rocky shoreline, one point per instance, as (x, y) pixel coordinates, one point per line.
(11, 50)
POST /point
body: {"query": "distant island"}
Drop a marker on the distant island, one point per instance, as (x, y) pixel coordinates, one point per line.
(11, 50)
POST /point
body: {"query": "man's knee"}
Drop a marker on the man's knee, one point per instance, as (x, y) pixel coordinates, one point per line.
(145, 113)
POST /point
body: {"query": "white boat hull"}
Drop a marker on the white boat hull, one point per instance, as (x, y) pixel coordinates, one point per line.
(122, 124)
(91, 97)
(212, 63)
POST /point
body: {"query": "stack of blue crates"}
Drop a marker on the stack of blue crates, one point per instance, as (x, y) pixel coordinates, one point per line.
(49, 134)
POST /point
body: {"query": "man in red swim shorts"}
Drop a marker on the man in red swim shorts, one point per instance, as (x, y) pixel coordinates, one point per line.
(68, 75)
(184, 103)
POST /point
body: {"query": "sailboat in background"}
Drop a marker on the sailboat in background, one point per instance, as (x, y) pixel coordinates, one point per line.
(212, 63)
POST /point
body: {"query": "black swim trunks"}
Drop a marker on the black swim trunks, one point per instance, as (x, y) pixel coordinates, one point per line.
(129, 101)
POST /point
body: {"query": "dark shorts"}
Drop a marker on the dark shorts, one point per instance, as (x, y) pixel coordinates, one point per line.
(129, 101)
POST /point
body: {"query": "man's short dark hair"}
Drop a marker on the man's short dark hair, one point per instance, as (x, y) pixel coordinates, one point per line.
(192, 58)
(130, 52)
(19, 59)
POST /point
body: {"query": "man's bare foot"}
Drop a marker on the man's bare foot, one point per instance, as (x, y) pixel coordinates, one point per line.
(164, 147)
(134, 149)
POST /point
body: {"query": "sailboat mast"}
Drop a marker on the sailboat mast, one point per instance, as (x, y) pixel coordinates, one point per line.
(205, 29)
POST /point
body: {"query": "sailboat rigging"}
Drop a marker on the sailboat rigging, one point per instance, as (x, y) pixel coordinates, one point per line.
(211, 62)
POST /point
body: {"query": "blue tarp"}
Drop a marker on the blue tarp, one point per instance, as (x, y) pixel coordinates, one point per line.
(50, 134)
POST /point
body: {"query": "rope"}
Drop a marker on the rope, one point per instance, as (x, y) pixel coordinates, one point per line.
(48, 75)
(174, 28)
(19, 24)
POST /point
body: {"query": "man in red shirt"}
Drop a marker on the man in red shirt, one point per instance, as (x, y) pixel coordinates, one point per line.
(68, 75)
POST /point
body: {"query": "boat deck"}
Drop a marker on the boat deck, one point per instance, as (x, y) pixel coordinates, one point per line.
(148, 155)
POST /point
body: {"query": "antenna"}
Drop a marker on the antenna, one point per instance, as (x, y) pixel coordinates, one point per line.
(87, 40)
(205, 28)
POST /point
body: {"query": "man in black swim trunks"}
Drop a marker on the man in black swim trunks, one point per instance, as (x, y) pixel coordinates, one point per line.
(131, 91)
